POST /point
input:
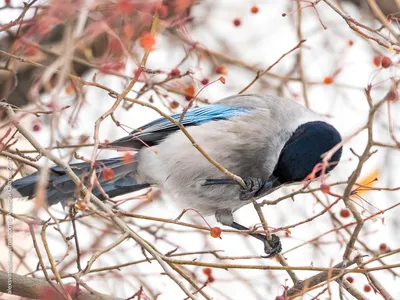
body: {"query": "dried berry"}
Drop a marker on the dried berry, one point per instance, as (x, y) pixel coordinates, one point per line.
(254, 9)
(325, 188)
(237, 22)
(221, 70)
(345, 213)
(386, 62)
(215, 232)
(108, 173)
(349, 279)
(328, 80)
(207, 271)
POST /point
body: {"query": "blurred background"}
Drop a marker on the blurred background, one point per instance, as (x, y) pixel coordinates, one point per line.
(62, 63)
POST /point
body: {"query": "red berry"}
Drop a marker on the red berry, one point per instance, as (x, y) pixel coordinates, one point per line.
(114, 45)
(207, 271)
(36, 127)
(386, 62)
(328, 80)
(383, 247)
(162, 11)
(30, 50)
(254, 10)
(377, 61)
(222, 79)
(174, 105)
(210, 279)
(175, 72)
(237, 22)
(221, 70)
(205, 81)
(127, 157)
(125, 7)
(325, 188)
(81, 206)
(392, 95)
(215, 232)
(350, 43)
(108, 173)
(345, 213)
(350, 279)
(147, 41)
(367, 288)
(189, 93)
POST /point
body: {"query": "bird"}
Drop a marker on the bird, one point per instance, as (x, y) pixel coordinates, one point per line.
(266, 140)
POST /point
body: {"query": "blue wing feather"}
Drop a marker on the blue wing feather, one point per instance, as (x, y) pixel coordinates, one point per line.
(195, 116)
(157, 130)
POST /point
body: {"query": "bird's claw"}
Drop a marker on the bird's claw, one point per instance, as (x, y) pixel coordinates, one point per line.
(272, 247)
(253, 185)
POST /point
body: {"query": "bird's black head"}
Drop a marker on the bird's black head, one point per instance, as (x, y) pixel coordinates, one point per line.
(302, 152)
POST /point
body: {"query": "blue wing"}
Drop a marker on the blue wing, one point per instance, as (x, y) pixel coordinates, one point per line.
(157, 130)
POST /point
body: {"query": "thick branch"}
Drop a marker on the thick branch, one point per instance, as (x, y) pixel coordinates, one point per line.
(33, 288)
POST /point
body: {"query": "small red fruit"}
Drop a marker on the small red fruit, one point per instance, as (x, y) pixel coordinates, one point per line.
(189, 93)
(367, 288)
(174, 105)
(162, 11)
(210, 279)
(386, 62)
(175, 72)
(30, 50)
(205, 81)
(345, 213)
(221, 70)
(80, 205)
(328, 80)
(383, 247)
(392, 95)
(115, 46)
(147, 41)
(127, 157)
(207, 271)
(108, 173)
(377, 61)
(254, 9)
(237, 22)
(222, 79)
(350, 279)
(325, 188)
(350, 43)
(125, 7)
(36, 127)
(215, 232)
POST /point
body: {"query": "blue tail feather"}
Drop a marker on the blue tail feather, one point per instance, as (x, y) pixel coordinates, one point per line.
(61, 188)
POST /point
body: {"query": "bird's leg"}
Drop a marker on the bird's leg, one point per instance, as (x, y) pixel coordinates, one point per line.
(271, 247)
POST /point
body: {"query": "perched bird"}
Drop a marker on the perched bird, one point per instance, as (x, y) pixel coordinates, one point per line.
(266, 140)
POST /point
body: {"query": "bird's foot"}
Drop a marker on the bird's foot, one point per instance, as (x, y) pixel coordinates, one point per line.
(272, 247)
(253, 185)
